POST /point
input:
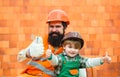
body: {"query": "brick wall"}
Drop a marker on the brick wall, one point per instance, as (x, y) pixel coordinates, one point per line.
(98, 21)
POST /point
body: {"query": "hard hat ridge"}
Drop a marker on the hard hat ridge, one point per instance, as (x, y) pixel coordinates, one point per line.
(58, 15)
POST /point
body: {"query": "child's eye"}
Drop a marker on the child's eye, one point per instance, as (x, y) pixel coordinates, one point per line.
(70, 46)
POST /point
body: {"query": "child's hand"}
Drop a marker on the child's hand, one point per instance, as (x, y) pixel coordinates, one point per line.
(48, 52)
(107, 58)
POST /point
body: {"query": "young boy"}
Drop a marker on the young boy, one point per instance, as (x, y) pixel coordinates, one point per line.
(67, 64)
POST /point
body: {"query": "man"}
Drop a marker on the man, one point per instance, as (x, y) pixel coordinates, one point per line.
(39, 66)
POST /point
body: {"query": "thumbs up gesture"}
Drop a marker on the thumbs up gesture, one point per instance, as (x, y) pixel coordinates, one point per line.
(106, 58)
(48, 52)
(36, 48)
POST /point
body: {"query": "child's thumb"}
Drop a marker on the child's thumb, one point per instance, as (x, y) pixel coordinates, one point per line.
(106, 54)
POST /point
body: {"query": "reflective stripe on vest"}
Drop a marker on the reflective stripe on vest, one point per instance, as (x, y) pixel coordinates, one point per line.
(42, 68)
(41, 59)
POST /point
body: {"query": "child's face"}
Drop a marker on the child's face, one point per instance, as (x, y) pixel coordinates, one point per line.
(70, 50)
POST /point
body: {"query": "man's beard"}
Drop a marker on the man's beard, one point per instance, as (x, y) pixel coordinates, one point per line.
(55, 40)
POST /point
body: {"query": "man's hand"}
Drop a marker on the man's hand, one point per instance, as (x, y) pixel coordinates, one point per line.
(21, 55)
(36, 49)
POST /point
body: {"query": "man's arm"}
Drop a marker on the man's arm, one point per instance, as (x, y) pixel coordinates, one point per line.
(21, 55)
(35, 49)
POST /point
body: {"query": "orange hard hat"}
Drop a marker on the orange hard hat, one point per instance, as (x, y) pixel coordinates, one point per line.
(58, 15)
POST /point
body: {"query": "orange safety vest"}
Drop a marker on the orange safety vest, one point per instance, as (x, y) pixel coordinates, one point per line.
(36, 68)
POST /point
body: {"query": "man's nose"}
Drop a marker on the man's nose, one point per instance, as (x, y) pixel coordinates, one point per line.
(54, 29)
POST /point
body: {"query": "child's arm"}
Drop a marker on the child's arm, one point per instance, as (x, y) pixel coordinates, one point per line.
(91, 62)
(48, 53)
(53, 58)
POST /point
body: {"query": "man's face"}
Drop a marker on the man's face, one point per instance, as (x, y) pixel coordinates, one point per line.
(56, 33)
(55, 27)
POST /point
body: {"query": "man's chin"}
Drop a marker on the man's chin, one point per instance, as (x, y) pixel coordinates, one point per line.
(54, 35)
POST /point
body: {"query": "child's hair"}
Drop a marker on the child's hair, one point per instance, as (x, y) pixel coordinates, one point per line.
(77, 44)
